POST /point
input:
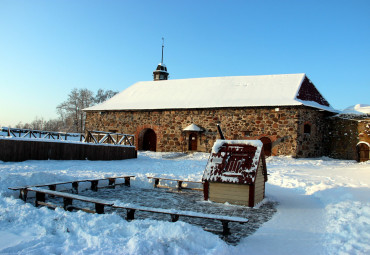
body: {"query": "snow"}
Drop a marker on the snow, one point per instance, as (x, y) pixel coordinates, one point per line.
(213, 171)
(255, 143)
(193, 127)
(161, 64)
(368, 144)
(323, 208)
(44, 134)
(233, 91)
(179, 212)
(358, 109)
(74, 141)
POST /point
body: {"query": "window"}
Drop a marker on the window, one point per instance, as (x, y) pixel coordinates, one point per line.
(307, 129)
(247, 133)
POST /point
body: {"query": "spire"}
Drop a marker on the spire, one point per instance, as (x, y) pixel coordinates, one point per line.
(161, 72)
(162, 49)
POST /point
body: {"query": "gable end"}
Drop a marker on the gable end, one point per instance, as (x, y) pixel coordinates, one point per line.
(308, 92)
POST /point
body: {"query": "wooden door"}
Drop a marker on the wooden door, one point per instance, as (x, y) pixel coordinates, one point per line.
(363, 152)
(149, 140)
(193, 142)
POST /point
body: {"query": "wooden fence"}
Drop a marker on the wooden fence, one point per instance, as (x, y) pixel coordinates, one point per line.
(13, 149)
(101, 137)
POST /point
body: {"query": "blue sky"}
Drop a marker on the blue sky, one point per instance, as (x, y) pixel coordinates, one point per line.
(47, 48)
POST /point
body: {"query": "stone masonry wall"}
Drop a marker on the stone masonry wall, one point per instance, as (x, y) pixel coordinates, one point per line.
(281, 125)
(345, 134)
(312, 144)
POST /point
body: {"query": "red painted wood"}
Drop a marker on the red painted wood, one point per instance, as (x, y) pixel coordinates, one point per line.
(308, 92)
(193, 139)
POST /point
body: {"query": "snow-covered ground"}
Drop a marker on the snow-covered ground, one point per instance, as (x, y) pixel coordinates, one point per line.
(323, 208)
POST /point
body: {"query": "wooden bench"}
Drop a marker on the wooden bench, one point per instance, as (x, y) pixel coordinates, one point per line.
(179, 183)
(75, 184)
(68, 199)
(131, 209)
(175, 214)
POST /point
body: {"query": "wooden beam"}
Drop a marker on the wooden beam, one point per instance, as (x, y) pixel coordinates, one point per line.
(94, 185)
(130, 214)
(99, 208)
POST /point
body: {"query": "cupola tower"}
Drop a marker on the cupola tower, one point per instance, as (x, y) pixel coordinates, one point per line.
(161, 72)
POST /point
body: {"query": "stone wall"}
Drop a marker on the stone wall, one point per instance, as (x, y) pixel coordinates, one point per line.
(345, 134)
(364, 130)
(283, 126)
(312, 143)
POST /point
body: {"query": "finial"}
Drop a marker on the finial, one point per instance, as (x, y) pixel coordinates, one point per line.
(162, 48)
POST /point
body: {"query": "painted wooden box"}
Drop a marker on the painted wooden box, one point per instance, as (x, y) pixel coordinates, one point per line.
(235, 173)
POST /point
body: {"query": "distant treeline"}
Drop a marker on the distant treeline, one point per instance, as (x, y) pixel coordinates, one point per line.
(71, 117)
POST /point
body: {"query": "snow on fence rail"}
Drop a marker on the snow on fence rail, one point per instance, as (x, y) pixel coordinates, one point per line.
(96, 137)
(29, 133)
(21, 145)
(100, 137)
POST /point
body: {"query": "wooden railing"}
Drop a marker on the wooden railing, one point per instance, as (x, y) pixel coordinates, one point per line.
(101, 137)
(24, 133)
(96, 137)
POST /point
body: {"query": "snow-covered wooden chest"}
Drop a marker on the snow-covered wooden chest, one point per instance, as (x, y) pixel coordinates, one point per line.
(236, 173)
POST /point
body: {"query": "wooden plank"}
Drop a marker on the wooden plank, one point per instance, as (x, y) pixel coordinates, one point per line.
(72, 196)
(226, 196)
(234, 193)
(48, 204)
(107, 178)
(67, 182)
(229, 194)
(229, 198)
(236, 202)
(88, 210)
(168, 187)
(229, 185)
(169, 179)
(183, 213)
(20, 150)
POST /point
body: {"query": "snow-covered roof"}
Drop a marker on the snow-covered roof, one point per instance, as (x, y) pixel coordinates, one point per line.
(193, 127)
(234, 161)
(358, 109)
(215, 92)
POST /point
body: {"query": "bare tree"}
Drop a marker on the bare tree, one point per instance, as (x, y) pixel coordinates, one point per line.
(71, 114)
(19, 125)
(102, 95)
(71, 109)
(38, 124)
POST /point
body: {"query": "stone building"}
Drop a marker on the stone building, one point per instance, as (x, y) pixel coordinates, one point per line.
(286, 112)
(349, 134)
